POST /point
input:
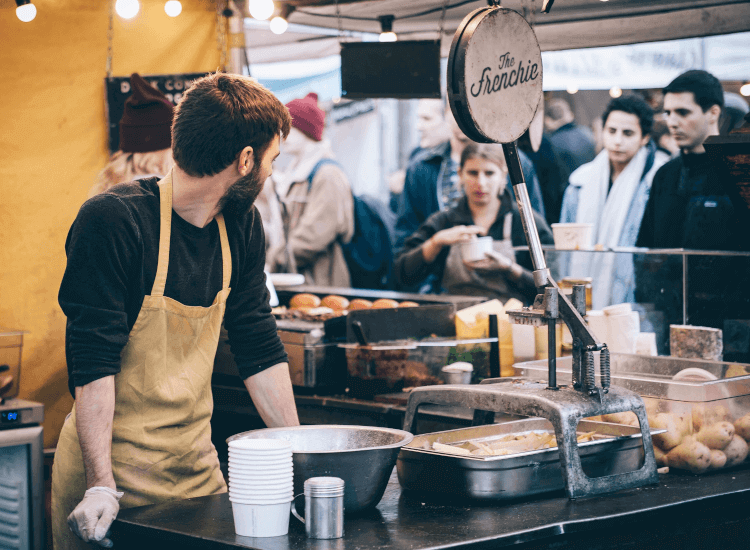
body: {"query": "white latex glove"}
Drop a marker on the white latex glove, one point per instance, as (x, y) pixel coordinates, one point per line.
(93, 516)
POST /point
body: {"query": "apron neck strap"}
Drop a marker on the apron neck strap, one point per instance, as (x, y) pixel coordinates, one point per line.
(165, 234)
(160, 281)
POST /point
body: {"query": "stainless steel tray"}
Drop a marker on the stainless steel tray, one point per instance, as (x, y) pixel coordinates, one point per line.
(513, 476)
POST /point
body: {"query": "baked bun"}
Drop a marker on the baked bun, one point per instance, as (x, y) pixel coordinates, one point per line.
(359, 303)
(335, 302)
(304, 300)
(384, 303)
(408, 304)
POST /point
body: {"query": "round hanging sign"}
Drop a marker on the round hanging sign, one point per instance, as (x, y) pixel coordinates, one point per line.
(494, 75)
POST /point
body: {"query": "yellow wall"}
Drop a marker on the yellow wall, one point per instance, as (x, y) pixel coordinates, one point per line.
(53, 141)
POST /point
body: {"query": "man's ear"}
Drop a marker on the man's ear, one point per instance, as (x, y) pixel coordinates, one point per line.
(245, 161)
(715, 112)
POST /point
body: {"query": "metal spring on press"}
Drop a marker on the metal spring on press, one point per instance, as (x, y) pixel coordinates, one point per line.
(604, 366)
(590, 376)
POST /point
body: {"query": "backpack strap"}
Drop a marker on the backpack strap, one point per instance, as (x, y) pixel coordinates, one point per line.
(318, 166)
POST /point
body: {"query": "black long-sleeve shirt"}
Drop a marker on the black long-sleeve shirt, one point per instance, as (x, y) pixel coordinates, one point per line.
(112, 250)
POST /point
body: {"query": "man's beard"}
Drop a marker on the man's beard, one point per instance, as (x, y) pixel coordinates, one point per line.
(241, 195)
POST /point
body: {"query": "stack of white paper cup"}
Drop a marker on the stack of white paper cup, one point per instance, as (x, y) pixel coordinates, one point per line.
(623, 326)
(261, 486)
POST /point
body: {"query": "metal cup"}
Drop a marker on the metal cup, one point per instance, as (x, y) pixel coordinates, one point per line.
(324, 508)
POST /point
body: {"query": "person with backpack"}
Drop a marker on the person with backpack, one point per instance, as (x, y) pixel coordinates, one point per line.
(317, 203)
(486, 208)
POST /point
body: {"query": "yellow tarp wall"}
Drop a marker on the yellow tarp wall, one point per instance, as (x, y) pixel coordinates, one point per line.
(53, 142)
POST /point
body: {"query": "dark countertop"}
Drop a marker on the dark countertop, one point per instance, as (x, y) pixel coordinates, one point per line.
(682, 511)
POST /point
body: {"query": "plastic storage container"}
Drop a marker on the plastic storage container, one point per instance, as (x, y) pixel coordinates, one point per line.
(703, 405)
(11, 342)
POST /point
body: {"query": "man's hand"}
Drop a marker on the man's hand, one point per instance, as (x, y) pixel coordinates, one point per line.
(93, 516)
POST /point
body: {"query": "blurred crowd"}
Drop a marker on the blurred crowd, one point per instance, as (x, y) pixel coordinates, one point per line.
(639, 175)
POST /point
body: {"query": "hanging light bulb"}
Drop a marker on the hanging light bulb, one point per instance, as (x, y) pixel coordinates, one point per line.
(615, 92)
(386, 28)
(278, 25)
(25, 10)
(261, 9)
(280, 22)
(127, 9)
(173, 8)
(572, 90)
(745, 89)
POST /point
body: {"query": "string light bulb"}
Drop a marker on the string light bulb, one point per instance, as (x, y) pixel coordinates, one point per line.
(572, 90)
(25, 10)
(127, 9)
(261, 9)
(386, 29)
(173, 8)
(615, 92)
(745, 89)
(278, 25)
(280, 22)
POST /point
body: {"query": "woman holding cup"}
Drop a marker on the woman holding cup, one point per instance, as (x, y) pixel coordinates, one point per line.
(469, 248)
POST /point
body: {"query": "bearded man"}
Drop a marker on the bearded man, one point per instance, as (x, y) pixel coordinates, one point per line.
(154, 268)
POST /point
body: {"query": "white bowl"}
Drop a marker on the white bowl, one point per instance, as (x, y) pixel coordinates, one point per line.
(261, 520)
(261, 485)
(261, 498)
(261, 493)
(260, 444)
(261, 474)
(251, 460)
(266, 472)
(475, 249)
(573, 236)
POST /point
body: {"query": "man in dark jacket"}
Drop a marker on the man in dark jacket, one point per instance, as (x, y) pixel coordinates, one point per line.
(689, 208)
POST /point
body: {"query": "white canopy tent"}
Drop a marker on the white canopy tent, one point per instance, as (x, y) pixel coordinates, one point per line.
(315, 29)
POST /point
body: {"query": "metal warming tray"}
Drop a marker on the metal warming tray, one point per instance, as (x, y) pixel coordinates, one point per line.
(513, 476)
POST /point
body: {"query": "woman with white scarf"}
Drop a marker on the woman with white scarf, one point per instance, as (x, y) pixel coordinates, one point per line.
(611, 192)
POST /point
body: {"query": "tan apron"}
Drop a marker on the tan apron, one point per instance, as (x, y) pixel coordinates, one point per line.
(460, 280)
(161, 433)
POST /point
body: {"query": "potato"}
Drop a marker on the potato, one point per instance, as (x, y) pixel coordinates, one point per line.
(408, 304)
(690, 455)
(359, 303)
(742, 427)
(716, 436)
(704, 415)
(718, 460)
(672, 437)
(336, 303)
(384, 303)
(736, 451)
(661, 457)
(629, 418)
(304, 300)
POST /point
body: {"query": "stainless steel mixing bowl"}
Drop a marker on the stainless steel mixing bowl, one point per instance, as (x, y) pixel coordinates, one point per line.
(362, 456)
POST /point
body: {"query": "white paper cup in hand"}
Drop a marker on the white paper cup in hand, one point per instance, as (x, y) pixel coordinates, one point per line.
(573, 236)
(475, 249)
(261, 520)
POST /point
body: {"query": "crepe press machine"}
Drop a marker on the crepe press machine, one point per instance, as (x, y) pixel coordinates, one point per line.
(494, 89)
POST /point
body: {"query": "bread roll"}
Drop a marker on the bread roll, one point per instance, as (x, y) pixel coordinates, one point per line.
(408, 304)
(336, 303)
(384, 303)
(359, 303)
(304, 300)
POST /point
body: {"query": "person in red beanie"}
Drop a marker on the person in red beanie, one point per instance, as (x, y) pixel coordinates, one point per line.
(316, 201)
(145, 138)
